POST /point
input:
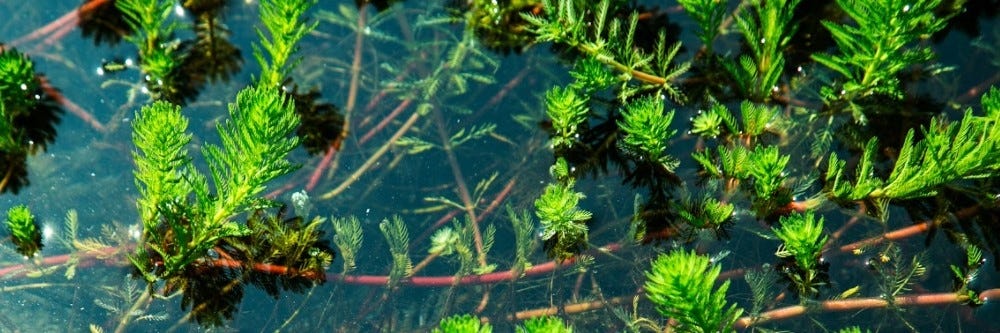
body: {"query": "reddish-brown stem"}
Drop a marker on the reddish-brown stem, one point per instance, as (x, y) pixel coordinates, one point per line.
(507, 88)
(462, 188)
(385, 121)
(862, 209)
(486, 212)
(73, 108)
(69, 19)
(978, 89)
(447, 281)
(323, 164)
(423, 263)
(854, 304)
(908, 231)
(897, 234)
(569, 308)
(85, 259)
(353, 177)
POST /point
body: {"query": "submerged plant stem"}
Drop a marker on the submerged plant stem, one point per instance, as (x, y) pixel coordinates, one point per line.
(855, 304)
(354, 177)
(463, 189)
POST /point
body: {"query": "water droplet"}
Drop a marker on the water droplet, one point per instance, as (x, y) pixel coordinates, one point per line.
(906, 8)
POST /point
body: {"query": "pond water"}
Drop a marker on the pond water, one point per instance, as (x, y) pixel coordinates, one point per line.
(429, 142)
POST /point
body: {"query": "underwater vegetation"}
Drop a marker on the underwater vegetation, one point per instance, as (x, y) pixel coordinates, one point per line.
(522, 165)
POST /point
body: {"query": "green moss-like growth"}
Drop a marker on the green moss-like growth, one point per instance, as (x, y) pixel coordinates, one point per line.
(23, 230)
(17, 83)
(681, 285)
(462, 324)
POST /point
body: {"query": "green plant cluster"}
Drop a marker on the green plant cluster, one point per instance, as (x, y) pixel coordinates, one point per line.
(398, 239)
(682, 285)
(186, 213)
(647, 130)
(544, 324)
(183, 218)
(159, 55)
(466, 323)
(17, 84)
(567, 108)
(563, 222)
(882, 42)
(802, 240)
(27, 117)
(23, 231)
(587, 28)
(950, 151)
(763, 169)
(708, 14)
(458, 241)
(767, 28)
(707, 213)
(965, 274)
(283, 20)
(462, 324)
(347, 236)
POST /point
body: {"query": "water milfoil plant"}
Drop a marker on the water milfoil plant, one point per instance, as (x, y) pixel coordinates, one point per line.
(24, 231)
(682, 285)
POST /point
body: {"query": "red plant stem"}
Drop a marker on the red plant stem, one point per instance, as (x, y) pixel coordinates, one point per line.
(854, 304)
(56, 35)
(448, 217)
(908, 231)
(897, 234)
(978, 89)
(91, 257)
(507, 88)
(448, 281)
(68, 19)
(323, 164)
(385, 121)
(73, 108)
(862, 209)
(85, 259)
